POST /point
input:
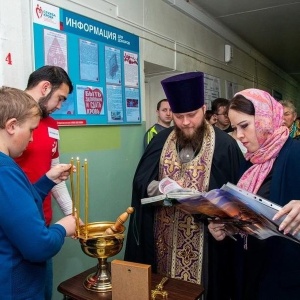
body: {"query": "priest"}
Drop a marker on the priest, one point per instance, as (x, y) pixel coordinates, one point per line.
(197, 156)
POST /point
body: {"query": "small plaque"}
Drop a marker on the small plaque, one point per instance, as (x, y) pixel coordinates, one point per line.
(130, 280)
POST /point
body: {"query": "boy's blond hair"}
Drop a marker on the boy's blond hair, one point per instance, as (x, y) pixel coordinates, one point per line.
(15, 103)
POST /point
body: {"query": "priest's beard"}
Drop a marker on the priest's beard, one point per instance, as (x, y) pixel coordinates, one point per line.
(193, 141)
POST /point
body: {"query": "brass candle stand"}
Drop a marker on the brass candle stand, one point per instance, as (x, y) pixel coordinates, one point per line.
(98, 239)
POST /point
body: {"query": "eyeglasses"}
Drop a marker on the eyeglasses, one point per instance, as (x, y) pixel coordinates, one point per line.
(288, 113)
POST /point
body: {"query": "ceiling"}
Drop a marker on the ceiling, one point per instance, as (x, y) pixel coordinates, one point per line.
(271, 26)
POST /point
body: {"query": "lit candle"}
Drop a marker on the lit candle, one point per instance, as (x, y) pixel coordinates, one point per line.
(86, 198)
(78, 193)
(72, 187)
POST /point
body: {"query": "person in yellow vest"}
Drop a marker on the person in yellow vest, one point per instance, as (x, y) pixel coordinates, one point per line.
(164, 119)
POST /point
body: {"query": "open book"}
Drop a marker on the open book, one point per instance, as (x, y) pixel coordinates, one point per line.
(238, 209)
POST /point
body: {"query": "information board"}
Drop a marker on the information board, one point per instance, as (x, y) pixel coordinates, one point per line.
(102, 62)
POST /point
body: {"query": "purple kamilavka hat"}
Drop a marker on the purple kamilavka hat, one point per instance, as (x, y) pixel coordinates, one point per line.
(185, 92)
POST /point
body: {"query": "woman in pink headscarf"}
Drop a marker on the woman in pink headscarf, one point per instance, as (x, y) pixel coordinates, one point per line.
(270, 268)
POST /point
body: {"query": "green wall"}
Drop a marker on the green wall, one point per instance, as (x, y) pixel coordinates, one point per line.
(113, 153)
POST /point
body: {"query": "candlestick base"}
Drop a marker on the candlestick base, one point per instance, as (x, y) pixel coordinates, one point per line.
(95, 243)
(101, 280)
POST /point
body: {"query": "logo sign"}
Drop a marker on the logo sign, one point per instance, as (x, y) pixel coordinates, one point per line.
(93, 101)
(45, 14)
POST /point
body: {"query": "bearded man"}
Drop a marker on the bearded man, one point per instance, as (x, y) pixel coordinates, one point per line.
(197, 156)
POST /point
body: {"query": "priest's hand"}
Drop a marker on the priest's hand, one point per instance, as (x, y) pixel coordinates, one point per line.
(291, 223)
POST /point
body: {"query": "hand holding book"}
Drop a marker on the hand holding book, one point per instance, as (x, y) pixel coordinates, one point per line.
(220, 230)
(168, 185)
(217, 230)
(291, 222)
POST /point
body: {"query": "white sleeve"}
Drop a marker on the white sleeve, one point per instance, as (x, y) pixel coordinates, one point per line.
(61, 193)
(153, 189)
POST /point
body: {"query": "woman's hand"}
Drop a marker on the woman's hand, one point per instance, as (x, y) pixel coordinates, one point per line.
(291, 223)
(217, 230)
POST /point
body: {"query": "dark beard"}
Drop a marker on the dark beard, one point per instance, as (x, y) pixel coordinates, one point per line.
(43, 104)
(194, 141)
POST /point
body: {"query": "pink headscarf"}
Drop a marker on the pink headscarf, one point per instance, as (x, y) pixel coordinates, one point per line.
(271, 135)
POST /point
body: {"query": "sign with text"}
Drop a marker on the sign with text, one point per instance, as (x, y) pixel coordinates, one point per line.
(102, 62)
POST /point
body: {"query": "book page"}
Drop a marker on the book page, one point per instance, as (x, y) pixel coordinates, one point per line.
(261, 206)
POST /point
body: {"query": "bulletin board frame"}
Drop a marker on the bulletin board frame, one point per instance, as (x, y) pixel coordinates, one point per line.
(101, 60)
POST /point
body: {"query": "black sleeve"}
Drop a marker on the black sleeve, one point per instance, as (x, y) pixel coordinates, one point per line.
(140, 237)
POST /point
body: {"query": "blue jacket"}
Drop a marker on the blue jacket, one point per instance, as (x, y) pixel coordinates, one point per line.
(271, 267)
(25, 241)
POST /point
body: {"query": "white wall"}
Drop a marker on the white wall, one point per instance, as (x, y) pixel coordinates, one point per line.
(15, 38)
(177, 42)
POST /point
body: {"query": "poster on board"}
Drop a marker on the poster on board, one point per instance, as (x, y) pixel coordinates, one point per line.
(101, 60)
(212, 89)
(232, 88)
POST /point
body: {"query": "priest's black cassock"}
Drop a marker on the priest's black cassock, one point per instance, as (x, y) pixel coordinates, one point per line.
(226, 167)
